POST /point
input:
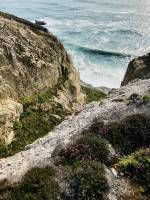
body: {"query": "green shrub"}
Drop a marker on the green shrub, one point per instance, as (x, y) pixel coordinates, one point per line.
(146, 99)
(87, 181)
(88, 147)
(38, 184)
(37, 98)
(17, 125)
(93, 94)
(130, 134)
(33, 124)
(137, 167)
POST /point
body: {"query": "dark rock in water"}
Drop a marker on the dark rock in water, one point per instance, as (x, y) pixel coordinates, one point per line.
(139, 68)
(41, 23)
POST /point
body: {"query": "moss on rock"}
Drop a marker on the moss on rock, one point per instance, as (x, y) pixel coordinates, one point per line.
(146, 98)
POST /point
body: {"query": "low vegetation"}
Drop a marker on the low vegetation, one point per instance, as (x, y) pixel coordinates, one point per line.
(38, 184)
(130, 135)
(87, 181)
(146, 98)
(88, 147)
(35, 121)
(137, 167)
(93, 94)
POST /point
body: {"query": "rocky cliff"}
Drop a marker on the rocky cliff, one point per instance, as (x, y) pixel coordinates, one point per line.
(139, 68)
(101, 151)
(32, 61)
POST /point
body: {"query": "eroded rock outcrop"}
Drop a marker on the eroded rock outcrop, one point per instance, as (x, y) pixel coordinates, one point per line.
(139, 68)
(32, 60)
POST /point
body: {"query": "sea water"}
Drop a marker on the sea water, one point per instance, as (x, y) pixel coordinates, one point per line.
(102, 36)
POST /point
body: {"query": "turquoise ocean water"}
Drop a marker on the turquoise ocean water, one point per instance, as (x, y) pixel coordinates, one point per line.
(102, 36)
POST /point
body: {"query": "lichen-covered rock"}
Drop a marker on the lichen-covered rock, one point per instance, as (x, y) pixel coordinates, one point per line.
(32, 60)
(139, 68)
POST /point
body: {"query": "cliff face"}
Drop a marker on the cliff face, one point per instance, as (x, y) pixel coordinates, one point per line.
(32, 60)
(139, 68)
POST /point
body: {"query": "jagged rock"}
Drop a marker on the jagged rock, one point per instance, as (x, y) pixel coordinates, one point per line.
(44, 151)
(139, 68)
(33, 60)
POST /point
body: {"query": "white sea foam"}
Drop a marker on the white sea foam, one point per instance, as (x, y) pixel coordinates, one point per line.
(97, 74)
(100, 38)
(102, 72)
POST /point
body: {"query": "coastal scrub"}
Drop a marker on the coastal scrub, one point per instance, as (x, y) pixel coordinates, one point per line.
(87, 181)
(88, 147)
(137, 167)
(92, 94)
(38, 184)
(35, 121)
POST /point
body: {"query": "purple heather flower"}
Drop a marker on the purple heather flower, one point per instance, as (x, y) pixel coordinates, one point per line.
(103, 131)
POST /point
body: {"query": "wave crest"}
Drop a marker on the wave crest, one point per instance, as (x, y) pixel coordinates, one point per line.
(103, 52)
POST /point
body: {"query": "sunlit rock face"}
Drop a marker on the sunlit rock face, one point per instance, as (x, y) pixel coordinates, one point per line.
(138, 68)
(32, 60)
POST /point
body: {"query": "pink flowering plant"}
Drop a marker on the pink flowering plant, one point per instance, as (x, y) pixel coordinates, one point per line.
(88, 147)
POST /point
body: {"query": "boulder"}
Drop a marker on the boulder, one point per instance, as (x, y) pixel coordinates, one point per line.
(139, 68)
